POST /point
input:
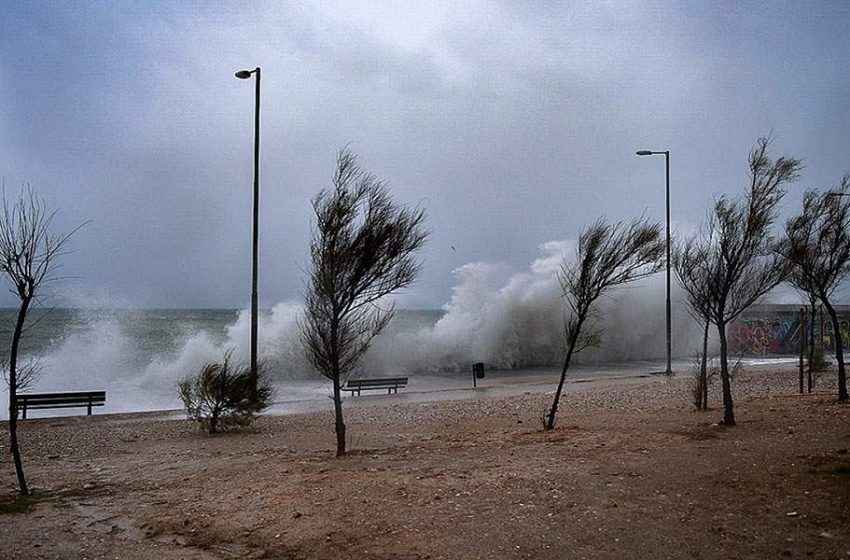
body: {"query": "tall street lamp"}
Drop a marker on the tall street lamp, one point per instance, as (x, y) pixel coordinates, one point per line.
(244, 75)
(666, 154)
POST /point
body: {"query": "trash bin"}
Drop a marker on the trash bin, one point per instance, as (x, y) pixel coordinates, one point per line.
(478, 370)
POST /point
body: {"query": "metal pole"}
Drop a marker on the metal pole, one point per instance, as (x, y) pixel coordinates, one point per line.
(669, 326)
(666, 153)
(802, 331)
(255, 233)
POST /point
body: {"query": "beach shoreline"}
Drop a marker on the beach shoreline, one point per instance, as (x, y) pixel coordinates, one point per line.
(630, 471)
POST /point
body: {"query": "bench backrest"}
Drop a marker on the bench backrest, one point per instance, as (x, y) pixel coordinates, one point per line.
(97, 398)
(378, 382)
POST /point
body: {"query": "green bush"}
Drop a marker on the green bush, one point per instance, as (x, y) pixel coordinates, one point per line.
(221, 395)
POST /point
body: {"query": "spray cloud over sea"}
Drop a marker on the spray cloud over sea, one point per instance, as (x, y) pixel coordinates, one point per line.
(506, 320)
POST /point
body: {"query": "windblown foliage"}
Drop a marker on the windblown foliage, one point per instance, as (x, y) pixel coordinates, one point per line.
(817, 245)
(221, 396)
(734, 262)
(362, 250)
(607, 256)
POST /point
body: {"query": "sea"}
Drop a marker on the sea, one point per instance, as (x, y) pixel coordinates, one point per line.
(139, 355)
(511, 321)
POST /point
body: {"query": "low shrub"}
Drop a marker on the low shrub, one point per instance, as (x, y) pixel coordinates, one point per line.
(221, 395)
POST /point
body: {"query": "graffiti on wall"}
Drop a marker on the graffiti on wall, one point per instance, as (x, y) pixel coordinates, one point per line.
(775, 329)
(829, 333)
(779, 334)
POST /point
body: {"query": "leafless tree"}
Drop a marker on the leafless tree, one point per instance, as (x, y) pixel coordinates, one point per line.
(28, 258)
(817, 244)
(27, 375)
(738, 252)
(797, 278)
(363, 249)
(692, 268)
(702, 375)
(607, 256)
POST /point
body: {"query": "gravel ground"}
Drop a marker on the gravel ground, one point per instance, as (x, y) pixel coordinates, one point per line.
(631, 471)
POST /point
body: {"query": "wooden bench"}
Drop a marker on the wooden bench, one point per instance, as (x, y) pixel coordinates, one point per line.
(391, 384)
(73, 399)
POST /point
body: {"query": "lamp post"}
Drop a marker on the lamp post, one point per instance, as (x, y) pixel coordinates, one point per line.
(666, 154)
(244, 75)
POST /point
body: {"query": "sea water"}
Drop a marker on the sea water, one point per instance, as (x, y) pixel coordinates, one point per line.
(506, 320)
(139, 355)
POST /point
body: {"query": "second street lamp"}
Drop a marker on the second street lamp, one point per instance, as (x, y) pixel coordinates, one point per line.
(666, 154)
(244, 75)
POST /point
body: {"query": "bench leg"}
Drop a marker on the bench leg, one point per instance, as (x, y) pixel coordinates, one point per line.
(24, 413)
(89, 408)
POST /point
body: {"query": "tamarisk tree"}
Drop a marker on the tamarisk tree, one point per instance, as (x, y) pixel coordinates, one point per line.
(363, 249)
(817, 244)
(28, 259)
(607, 256)
(737, 254)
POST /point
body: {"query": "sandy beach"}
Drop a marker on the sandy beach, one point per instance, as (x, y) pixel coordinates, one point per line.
(631, 471)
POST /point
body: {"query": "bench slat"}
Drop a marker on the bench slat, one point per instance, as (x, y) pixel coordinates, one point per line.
(70, 399)
(391, 384)
(64, 405)
(70, 394)
(378, 381)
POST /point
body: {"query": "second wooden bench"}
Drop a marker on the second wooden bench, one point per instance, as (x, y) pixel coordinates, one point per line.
(391, 384)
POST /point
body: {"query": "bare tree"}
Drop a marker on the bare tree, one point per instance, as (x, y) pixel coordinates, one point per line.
(607, 256)
(28, 259)
(737, 253)
(362, 250)
(692, 268)
(26, 376)
(798, 279)
(817, 244)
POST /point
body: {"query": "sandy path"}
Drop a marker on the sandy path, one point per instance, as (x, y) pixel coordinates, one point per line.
(630, 472)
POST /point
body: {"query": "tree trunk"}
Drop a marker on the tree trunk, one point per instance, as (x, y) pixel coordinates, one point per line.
(811, 346)
(340, 424)
(703, 369)
(214, 420)
(13, 392)
(550, 421)
(839, 351)
(728, 404)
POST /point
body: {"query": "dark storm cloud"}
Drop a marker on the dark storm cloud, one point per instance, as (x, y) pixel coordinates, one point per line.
(512, 123)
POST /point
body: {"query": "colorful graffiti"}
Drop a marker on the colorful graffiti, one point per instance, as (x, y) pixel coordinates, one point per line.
(829, 333)
(775, 329)
(779, 334)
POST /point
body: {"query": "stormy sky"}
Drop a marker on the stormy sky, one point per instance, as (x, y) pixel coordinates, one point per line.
(512, 124)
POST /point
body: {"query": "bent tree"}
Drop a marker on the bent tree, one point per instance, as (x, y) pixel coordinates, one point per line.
(738, 254)
(607, 256)
(28, 253)
(817, 244)
(363, 249)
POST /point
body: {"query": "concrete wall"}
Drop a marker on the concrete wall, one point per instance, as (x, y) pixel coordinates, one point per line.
(765, 330)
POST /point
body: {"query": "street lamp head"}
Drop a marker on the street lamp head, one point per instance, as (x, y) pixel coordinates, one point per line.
(644, 153)
(244, 74)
